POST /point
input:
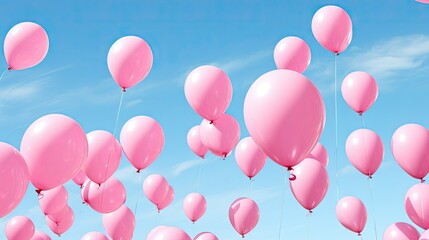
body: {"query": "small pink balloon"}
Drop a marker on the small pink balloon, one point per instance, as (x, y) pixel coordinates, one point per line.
(401, 231)
(364, 149)
(220, 136)
(208, 91)
(351, 213)
(360, 91)
(19, 228)
(320, 154)
(25, 45)
(195, 206)
(104, 156)
(53, 200)
(410, 149)
(60, 215)
(194, 142)
(80, 178)
(94, 236)
(425, 235)
(120, 224)
(168, 233)
(107, 197)
(332, 28)
(14, 177)
(129, 60)
(152, 234)
(62, 226)
(244, 215)
(142, 140)
(168, 199)
(249, 157)
(155, 188)
(417, 204)
(39, 235)
(206, 236)
(292, 53)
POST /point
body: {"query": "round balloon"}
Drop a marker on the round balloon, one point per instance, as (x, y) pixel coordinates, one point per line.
(292, 53)
(53, 200)
(195, 206)
(168, 199)
(351, 212)
(401, 231)
(320, 154)
(120, 223)
(194, 142)
(359, 90)
(417, 204)
(244, 215)
(19, 228)
(62, 226)
(249, 157)
(94, 236)
(156, 188)
(107, 197)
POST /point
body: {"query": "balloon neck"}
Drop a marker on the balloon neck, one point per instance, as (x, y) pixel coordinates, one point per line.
(81, 186)
(359, 234)
(292, 176)
(124, 90)
(422, 180)
(9, 68)
(39, 191)
(337, 53)
(193, 222)
(224, 156)
(360, 113)
(369, 177)
(242, 235)
(59, 235)
(310, 212)
(138, 171)
(211, 122)
(83, 202)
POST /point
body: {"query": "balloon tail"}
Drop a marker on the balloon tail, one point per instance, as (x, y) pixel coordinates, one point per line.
(199, 174)
(138, 171)
(139, 178)
(336, 126)
(1, 76)
(292, 176)
(309, 224)
(242, 235)
(422, 180)
(373, 208)
(283, 207)
(123, 90)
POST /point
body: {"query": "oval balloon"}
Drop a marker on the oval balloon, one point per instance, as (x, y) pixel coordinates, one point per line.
(320, 154)
(62, 226)
(19, 228)
(292, 53)
(155, 188)
(94, 236)
(168, 198)
(360, 91)
(417, 204)
(401, 231)
(244, 215)
(194, 142)
(120, 223)
(206, 236)
(80, 178)
(195, 206)
(351, 213)
(53, 200)
(39, 235)
(107, 197)
(249, 157)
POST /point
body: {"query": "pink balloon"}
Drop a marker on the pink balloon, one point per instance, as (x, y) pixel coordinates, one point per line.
(62, 226)
(54, 147)
(14, 178)
(243, 215)
(410, 149)
(194, 142)
(417, 204)
(60, 215)
(332, 28)
(285, 115)
(53, 200)
(425, 235)
(19, 228)
(208, 91)
(104, 156)
(401, 231)
(84, 191)
(351, 213)
(292, 53)
(129, 60)
(155, 188)
(142, 140)
(364, 149)
(39, 235)
(206, 236)
(152, 234)
(310, 184)
(195, 206)
(25, 45)
(359, 90)
(169, 233)
(249, 157)
(80, 178)
(220, 136)
(320, 154)
(107, 197)
(168, 198)
(94, 236)
(120, 223)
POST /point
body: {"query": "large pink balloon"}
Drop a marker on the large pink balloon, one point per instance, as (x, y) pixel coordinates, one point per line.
(13, 178)
(310, 184)
(359, 90)
(401, 231)
(104, 156)
(194, 142)
(332, 28)
(120, 223)
(25, 45)
(243, 215)
(54, 147)
(168, 199)
(53, 200)
(39, 235)
(60, 215)
(94, 236)
(129, 60)
(249, 157)
(425, 235)
(292, 53)
(208, 91)
(19, 228)
(62, 226)
(220, 136)
(107, 197)
(206, 236)
(155, 188)
(152, 234)
(195, 206)
(351, 213)
(142, 140)
(320, 154)
(417, 205)
(364, 149)
(80, 178)
(169, 233)
(285, 115)
(410, 149)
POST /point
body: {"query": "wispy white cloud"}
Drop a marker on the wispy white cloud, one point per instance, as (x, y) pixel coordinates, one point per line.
(186, 165)
(346, 170)
(236, 64)
(133, 103)
(129, 174)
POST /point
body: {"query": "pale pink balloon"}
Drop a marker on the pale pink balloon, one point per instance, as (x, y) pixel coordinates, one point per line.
(332, 28)
(208, 91)
(129, 60)
(60, 215)
(26, 45)
(285, 115)
(19, 228)
(94, 236)
(152, 234)
(168, 199)
(320, 154)
(14, 177)
(351, 213)
(244, 215)
(53, 200)
(249, 157)
(39, 235)
(360, 91)
(195, 206)
(417, 204)
(104, 156)
(365, 150)
(120, 224)
(220, 136)
(142, 140)
(169, 233)
(80, 178)
(107, 197)
(410, 149)
(401, 231)
(54, 147)
(194, 142)
(292, 53)
(155, 188)
(206, 236)
(84, 191)
(425, 235)
(62, 226)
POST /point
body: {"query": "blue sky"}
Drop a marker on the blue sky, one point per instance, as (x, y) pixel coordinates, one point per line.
(390, 41)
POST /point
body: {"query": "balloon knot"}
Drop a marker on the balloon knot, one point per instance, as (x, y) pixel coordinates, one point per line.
(369, 177)
(9, 68)
(292, 177)
(123, 89)
(310, 212)
(202, 157)
(422, 180)
(360, 113)
(38, 191)
(83, 202)
(224, 156)
(359, 234)
(211, 121)
(138, 171)
(193, 222)
(337, 54)
(59, 235)
(81, 186)
(242, 235)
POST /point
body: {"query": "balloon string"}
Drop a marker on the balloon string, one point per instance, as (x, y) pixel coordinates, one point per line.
(118, 113)
(139, 177)
(365, 141)
(373, 207)
(283, 207)
(421, 203)
(309, 226)
(199, 173)
(1, 76)
(251, 187)
(336, 126)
